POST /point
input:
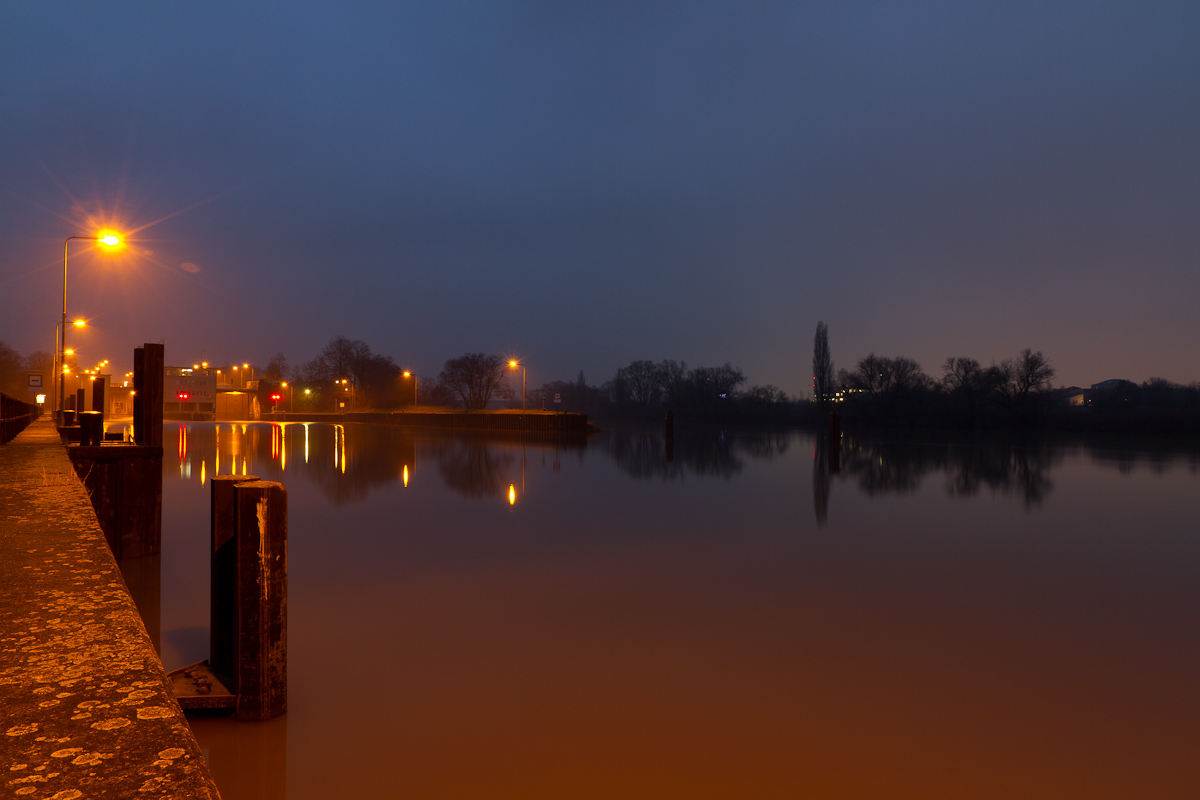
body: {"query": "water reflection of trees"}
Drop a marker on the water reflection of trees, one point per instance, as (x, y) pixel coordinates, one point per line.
(900, 467)
(721, 454)
(472, 466)
(1158, 456)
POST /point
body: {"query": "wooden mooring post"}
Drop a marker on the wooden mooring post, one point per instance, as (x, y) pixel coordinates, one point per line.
(125, 481)
(249, 593)
(148, 395)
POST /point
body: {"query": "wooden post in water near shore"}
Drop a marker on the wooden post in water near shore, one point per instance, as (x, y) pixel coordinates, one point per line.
(125, 481)
(249, 593)
(148, 394)
(262, 616)
(98, 396)
(223, 581)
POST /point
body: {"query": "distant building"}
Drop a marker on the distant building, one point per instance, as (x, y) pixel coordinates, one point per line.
(1072, 396)
(189, 393)
(237, 405)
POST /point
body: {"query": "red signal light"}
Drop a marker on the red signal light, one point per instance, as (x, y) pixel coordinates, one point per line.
(276, 397)
(183, 395)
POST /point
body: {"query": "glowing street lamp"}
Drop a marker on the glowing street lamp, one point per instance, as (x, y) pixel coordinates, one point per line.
(107, 238)
(514, 364)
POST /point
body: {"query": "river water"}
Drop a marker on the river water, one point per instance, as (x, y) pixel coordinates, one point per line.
(749, 617)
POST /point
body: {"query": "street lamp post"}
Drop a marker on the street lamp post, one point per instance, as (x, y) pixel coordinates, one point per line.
(107, 238)
(514, 364)
(412, 375)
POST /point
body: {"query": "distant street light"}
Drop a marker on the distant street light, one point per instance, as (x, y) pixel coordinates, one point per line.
(107, 238)
(514, 364)
(412, 375)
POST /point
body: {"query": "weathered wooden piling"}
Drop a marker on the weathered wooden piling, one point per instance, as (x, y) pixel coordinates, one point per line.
(98, 395)
(262, 606)
(148, 395)
(91, 428)
(139, 379)
(249, 593)
(125, 481)
(223, 582)
(125, 484)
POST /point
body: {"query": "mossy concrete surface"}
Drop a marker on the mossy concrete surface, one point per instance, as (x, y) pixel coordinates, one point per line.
(85, 708)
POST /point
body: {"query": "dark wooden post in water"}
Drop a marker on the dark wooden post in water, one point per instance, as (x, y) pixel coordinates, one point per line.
(91, 428)
(98, 396)
(125, 481)
(249, 593)
(148, 395)
(139, 379)
(223, 583)
(262, 609)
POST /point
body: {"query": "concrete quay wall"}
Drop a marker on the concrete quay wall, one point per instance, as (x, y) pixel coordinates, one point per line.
(85, 706)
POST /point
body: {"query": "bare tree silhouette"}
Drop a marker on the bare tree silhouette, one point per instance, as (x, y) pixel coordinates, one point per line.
(1029, 373)
(475, 377)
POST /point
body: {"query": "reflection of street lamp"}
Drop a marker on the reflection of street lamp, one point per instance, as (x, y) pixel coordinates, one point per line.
(514, 364)
(107, 238)
(408, 374)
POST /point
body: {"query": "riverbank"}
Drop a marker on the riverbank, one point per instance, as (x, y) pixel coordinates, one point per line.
(454, 419)
(85, 708)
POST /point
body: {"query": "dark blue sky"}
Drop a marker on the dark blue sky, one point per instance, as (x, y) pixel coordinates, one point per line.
(585, 186)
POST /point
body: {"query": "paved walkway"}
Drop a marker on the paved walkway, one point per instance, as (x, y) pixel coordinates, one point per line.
(85, 709)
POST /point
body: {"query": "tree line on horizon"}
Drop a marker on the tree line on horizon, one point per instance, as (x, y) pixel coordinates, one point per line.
(1017, 392)
(879, 390)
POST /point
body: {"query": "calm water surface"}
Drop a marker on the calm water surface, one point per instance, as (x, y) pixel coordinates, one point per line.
(470, 617)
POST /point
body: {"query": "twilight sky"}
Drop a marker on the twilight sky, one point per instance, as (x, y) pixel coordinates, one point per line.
(583, 185)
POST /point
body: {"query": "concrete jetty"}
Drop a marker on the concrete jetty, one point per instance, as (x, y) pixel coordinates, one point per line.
(85, 707)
